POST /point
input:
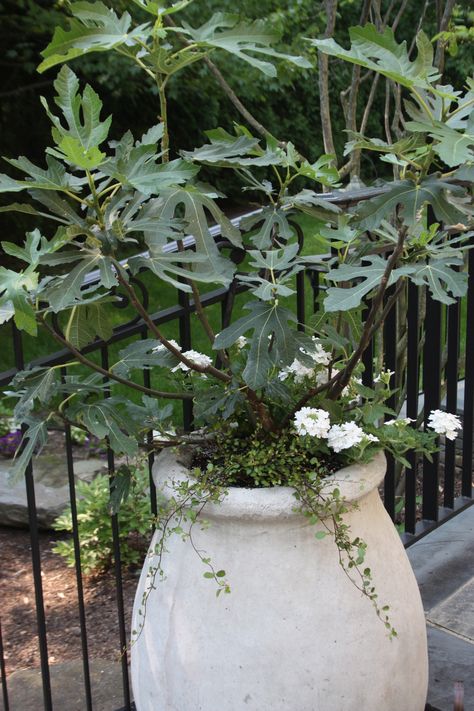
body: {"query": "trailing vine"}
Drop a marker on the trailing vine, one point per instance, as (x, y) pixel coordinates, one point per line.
(321, 509)
(184, 506)
(277, 461)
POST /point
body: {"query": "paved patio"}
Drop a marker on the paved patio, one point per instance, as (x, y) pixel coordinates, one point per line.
(443, 562)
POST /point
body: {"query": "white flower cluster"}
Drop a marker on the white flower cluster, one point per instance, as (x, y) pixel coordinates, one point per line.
(315, 423)
(300, 371)
(347, 435)
(195, 357)
(198, 358)
(350, 389)
(312, 422)
(161, 347)
(297, 370)
(317, 352)
(444, 423)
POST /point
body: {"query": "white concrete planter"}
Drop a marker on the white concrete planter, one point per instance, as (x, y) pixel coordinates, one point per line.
(294, 634)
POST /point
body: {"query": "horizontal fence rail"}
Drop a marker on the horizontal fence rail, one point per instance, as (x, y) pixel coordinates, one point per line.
(431, 372)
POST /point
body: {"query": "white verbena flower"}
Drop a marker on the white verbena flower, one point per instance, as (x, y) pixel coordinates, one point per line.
(344, 436)
(161, 347)
(297, 369)
(241, 342)
(400, 422)
(371, 437)
(198, 358)
(444, 423)
(317, 352)
(313, 422)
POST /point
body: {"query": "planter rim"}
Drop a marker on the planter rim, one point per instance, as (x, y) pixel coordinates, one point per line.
(354, 482)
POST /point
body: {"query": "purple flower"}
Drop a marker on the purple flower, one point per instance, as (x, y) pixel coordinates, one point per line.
(9, 443)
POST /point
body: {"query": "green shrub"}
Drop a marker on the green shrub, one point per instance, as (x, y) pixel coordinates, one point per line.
(6, 418)
(95, 525)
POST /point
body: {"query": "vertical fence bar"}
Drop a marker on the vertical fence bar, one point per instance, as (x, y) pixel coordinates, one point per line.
(432, 401)
(118, 569)
(185, 343)
(313, 276)
(467, 454)
(300, 301)
(451, 400)
(77, 564)
(227, 305)
(300, 282)
(149, 439)
(390, 361)
(35, 552)
(3, 672)
(368, 356)
(413, 385)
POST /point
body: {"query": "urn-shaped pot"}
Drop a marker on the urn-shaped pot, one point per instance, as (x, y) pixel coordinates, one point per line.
(294, 634)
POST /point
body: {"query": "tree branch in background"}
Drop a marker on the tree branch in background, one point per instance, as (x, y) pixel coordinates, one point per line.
(234, 99)
(376, 12)
(231, 95)
(420, 26)
(368, 106)
(443, 26)
(399, 15)
(323, 79)
(351, 112)
(386, 122)
(27, 87)
(398, 124)
(349, 97)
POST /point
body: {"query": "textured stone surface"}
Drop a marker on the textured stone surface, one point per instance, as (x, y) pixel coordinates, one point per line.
(456, 613)
(294, 634)
(51, 489)
(67, 687)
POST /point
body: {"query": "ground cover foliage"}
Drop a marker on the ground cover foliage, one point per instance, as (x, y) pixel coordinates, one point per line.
(287, 105)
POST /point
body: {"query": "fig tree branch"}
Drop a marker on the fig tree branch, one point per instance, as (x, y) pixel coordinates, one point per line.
(138, 306)
(109, 373)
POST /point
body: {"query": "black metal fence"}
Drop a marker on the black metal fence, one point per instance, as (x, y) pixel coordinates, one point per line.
(431, 346)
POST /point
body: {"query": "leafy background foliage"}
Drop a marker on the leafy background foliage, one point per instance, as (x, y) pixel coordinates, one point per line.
(288, 105)
(93, 514)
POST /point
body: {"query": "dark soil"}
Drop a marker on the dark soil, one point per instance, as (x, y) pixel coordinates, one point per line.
(18, 617)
